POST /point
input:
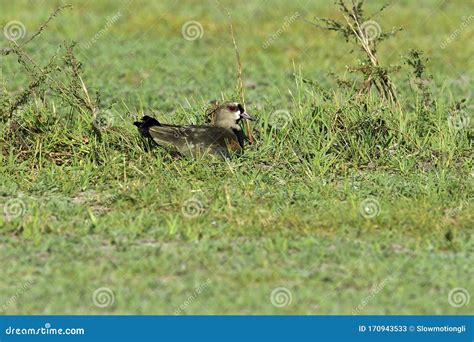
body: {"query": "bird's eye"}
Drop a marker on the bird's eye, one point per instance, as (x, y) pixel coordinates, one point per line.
(232, 108)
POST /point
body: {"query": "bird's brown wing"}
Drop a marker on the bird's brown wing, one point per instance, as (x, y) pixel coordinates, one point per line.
(195, 140)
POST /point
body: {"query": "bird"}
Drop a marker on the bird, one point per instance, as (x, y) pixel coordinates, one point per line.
(223, 138)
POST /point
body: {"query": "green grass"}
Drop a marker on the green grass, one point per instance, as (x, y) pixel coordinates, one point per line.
(103, 212)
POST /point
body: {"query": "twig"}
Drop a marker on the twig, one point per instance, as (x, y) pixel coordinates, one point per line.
(46, 23)
(375, 75)
(40, 75)
(6, 52)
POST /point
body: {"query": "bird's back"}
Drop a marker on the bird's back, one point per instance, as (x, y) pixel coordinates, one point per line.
(196, 140)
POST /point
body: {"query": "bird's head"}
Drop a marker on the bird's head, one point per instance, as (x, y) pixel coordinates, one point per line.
(229, 114)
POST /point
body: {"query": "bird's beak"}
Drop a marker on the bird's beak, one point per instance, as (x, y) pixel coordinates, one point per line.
(246, 116)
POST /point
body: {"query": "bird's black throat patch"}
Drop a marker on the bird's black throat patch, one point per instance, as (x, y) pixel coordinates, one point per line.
(240, 136)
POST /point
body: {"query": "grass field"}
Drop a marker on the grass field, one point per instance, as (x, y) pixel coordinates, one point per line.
(336, 209)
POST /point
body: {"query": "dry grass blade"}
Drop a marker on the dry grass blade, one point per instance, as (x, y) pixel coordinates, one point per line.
(240, 82)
